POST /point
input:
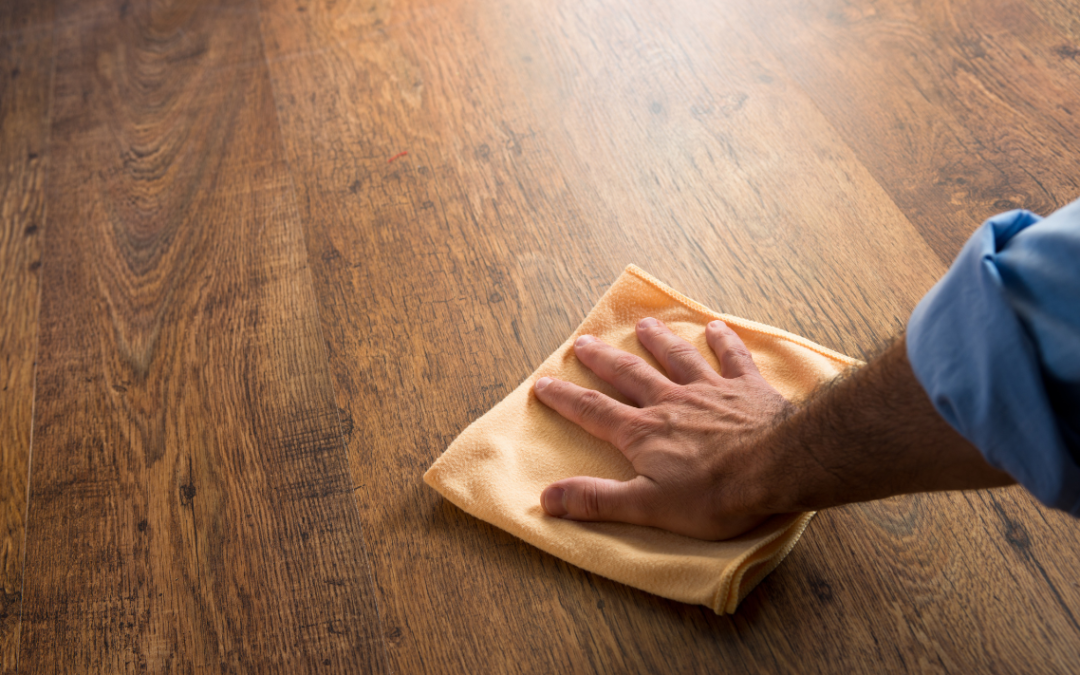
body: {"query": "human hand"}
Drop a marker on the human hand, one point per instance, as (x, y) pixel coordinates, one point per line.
(690, 438)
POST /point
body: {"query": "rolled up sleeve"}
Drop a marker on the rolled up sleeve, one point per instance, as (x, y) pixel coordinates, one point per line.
(996, 346)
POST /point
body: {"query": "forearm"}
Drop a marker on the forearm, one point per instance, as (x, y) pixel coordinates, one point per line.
(871, 435)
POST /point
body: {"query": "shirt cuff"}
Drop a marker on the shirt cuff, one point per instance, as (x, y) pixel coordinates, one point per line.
(973, 356)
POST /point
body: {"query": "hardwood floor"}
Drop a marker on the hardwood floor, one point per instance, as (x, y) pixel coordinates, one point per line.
(190, 505)
(972, 107)
(262, 260)
(26, 55)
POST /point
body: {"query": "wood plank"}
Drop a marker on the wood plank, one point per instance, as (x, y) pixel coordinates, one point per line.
(25, 82)
(549, 144)
(1062, 15)
(539, 162)
(190, 504)
(1037, 584)
(560, 127)
(959, 109)
(955, 582)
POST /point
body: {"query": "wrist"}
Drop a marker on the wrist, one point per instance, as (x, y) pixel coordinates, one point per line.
(793, 469)
(767, 482)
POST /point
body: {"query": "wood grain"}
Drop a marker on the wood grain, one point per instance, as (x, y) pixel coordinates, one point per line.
(1062, 14)
(548, 145)
(25, 83)
(571, 136)
(293, 247)
(960, 109)
(190, 504)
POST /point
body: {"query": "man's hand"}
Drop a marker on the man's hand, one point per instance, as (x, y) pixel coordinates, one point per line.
(718, 453)
(690, 438)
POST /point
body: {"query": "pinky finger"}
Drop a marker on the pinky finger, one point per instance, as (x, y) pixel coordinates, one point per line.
(735, 358)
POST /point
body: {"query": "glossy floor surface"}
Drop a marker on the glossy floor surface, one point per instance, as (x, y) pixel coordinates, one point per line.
(262, 260)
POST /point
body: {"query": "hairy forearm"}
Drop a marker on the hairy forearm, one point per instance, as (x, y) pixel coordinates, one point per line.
(872, 434)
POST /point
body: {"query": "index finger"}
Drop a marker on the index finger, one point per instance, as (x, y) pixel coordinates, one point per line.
(592, 410)
(630, 374)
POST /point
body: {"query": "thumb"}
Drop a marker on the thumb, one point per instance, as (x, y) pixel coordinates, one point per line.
(584, 498)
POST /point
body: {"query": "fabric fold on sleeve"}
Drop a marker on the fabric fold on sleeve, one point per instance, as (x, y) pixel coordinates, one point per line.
(996, 346)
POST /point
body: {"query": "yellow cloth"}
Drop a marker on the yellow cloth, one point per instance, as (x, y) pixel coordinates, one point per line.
(497, 468)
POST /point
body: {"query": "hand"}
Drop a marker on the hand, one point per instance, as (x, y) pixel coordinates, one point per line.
(690, 438)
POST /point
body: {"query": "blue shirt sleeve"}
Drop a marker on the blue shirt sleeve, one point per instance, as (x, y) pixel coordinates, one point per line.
(996, 346)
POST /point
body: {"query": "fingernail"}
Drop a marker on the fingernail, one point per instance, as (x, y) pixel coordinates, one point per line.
(648, 322)
(541, 383)
(716, 324)
(554, 498)
(584, 340)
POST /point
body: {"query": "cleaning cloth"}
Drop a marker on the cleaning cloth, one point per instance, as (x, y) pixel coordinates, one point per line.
(499, 465)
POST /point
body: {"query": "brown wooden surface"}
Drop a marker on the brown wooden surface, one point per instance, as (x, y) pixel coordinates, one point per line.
(26, 56)
(260, 322)
(190, 504)
(959, 109)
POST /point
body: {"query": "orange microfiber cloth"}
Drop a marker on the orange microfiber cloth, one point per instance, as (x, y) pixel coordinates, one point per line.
(497, 468)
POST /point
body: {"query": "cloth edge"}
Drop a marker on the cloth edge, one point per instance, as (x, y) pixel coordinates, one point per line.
(742, 578)
(759, 569)
(745, 324)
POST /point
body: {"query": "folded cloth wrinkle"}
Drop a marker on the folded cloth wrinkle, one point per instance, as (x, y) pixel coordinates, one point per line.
(498, 466)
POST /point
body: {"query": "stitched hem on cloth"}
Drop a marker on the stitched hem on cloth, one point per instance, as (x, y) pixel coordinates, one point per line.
(740, 585)
(740, 322)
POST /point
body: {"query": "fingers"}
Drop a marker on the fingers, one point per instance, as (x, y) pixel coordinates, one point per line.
(680, 359)
(599, 499)
(735, 359)
(630, 374)
(600, 415)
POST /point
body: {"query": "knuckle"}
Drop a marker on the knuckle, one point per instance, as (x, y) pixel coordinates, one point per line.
(682, 352)
(590, 403)
(738, 352)
(667, 421)
(624, 364)
(590, 500)
(635, 429)
(677, 396)
(740, 355)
